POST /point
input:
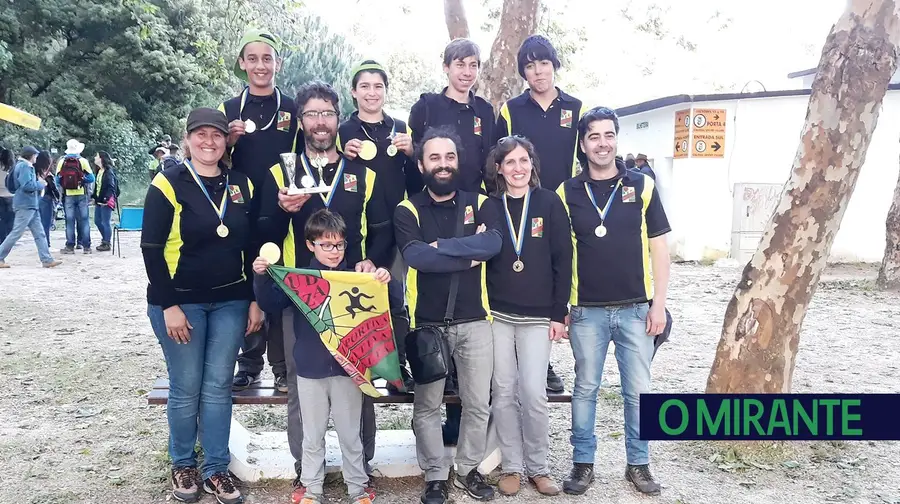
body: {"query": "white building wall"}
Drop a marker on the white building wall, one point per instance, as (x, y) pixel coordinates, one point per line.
(762, 136)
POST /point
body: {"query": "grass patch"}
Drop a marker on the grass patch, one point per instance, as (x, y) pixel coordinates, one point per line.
(862, 285)
(740, 456)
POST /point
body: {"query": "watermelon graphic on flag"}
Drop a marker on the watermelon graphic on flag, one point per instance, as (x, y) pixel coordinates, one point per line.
(352, 315)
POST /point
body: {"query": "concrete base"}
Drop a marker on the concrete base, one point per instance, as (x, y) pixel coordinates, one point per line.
(266, 455)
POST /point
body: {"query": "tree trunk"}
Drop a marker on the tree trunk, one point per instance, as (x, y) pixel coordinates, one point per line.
(889, 273)
(761, 331)
(499, 76)
(455, 16)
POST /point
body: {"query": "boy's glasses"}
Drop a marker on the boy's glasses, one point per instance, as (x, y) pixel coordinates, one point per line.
(330, 247)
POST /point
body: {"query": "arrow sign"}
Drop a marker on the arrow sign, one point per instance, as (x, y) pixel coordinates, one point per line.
(716, 117)
(677, 146)
(716, 146)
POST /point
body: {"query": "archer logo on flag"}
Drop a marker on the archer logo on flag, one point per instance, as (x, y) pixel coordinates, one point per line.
(537, 227)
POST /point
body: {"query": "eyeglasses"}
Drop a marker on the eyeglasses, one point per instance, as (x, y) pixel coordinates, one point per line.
(315, 114)
(330, 247)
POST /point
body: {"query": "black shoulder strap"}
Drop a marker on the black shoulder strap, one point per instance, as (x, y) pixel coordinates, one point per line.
(454, 279)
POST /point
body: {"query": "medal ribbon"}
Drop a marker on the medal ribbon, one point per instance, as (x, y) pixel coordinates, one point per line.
(246, 92)
(220, 209)
(389, 137)
(602, 213)
(518, 240)
(337, 177)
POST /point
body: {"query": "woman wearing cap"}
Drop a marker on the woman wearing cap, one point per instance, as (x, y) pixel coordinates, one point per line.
(528, 287)
(197, 253)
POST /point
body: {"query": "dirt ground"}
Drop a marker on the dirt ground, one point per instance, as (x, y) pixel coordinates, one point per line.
(77, 357)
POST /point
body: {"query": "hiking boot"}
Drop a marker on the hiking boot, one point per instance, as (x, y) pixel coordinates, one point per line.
(554, 383)
(298, 492)
(243, 379)
(104, 247)
(87, 250)
(67, 250)
(222, 487)
(185, 484)
(435, 493)
(642, 479)
(281, 384)
(509, 484)
(474, 485)
(3, 265)
(51, 264)
(580, 478)
(545, 485)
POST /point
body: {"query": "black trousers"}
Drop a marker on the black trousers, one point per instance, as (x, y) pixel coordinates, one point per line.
(268, 340)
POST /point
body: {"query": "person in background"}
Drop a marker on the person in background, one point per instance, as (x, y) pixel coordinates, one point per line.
(27, 192)
(198, 253)
(629, 161)
(7, 215)
(50, 198)
(155, 166)
(105, 192)
(642, 165)
(73, 173)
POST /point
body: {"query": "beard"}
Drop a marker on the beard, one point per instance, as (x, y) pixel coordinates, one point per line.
(320, 144)
(442, 187)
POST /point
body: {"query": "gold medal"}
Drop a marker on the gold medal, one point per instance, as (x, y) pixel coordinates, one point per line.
(392, 150)
(270, 252)
(222, 230)
(368, 150)
(518, 266)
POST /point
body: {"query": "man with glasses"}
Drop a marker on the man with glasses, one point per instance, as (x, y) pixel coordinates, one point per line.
(352, 191)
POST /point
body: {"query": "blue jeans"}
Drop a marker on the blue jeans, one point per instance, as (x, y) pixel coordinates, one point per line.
(200, 374)
(102, 217)
(7, 217)
(27, 219)
(591, 330)
(47, 207)
(77, 213)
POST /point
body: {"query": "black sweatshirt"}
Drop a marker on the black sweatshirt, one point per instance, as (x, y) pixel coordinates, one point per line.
(186, 261)
(543, 287)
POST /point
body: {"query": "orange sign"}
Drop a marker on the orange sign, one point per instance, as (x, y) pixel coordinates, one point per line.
(701, 134)
(682, 133)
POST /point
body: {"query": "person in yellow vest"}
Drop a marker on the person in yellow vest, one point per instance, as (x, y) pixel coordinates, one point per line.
(74, 173)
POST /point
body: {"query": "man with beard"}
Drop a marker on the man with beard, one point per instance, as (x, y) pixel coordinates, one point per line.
(445, 287)
(547, 117)
(356, 194)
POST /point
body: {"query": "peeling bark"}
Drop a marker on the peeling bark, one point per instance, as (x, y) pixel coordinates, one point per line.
(761, 331)
(499, 76)
(889, 273)
(455, 17)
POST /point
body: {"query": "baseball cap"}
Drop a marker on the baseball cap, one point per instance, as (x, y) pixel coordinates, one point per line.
(29, 151)
(255, 36)
(204, 116)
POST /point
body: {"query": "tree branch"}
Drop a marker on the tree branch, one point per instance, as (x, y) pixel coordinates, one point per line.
(455, 16)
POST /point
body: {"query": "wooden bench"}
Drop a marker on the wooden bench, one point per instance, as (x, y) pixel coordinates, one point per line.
(263, 392)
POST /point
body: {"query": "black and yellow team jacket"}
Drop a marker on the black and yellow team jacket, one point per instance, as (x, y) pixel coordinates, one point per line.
(186, 260)
(399, 173)
(358, 198)
(614, 269)
(419, 221)
(554, 133)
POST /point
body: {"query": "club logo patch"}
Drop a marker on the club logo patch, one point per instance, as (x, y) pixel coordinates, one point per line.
(565, 118)
(470, 215)
(537, 227)
(234, 191)
(284, 121)
(628, 194)
(350, 182)
(477, 125)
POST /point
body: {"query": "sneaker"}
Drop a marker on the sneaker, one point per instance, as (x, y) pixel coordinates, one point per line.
(222, 487)
(185, 484)
(361, 499)
(545, 485)
(51, 264)
(243, 380)
(554, 382)
(310, 499)
(3, 265)
(435, 493)
(474, 485)
(642, 479)
(298, 492)
(104, 247)
(78, 246)
(87, 250)
(580, 478)
(281, 384)
(67, 250)
(509, 484)
(370, 489)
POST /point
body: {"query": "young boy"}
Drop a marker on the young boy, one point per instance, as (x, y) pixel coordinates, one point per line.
(323, 386)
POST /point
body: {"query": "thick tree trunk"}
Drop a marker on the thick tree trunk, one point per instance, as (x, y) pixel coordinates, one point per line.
(500, 78)
(889, 273)
(455, 16)
(761, 331)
